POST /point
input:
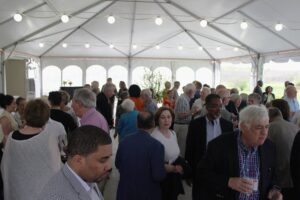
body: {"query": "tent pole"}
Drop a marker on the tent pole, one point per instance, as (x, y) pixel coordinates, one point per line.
(132, 30)
(129, 71)
(2, 82)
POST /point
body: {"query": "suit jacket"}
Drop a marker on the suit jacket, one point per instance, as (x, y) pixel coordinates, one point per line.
(222, 162)
(104, 106)
(282, 133)
(295, 165)
(65, 186)
(140, 161)
(196, 140)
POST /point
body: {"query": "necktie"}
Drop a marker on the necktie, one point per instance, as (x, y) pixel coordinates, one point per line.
(93, 193)
(212, 122)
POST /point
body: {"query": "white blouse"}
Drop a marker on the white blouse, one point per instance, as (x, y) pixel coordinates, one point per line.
(171, 146)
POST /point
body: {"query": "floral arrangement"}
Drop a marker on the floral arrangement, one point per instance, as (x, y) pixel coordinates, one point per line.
(67, 82)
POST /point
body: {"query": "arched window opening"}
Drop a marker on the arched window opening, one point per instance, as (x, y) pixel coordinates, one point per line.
(51, 76)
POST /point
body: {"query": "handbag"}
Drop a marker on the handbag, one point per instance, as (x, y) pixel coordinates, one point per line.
(187, 170)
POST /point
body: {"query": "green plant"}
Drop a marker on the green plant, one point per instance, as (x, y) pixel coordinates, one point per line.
(153, 80)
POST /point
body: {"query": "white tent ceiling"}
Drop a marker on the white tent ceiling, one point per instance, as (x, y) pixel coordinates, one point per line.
(135, 25)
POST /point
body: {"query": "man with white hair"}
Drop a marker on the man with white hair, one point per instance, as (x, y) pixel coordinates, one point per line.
(84, 104)
(199, 103)
(127, 123)
(183, 115)
(241, 165)
(254, 99)
(149, 104)
(104, 104)
(224, 95)
(291, 98)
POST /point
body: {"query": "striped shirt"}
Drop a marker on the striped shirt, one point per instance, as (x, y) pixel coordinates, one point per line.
(249, 167)
(182, 106)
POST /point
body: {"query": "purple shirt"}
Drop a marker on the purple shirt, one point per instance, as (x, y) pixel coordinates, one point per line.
(93, 117)
(249, 167)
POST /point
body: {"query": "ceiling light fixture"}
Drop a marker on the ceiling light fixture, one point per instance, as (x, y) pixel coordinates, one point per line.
(64, 18)
(203, 23)
(244, 25)
(134, 46)
(111, 46)
(236, 49)
(218, 48)
(158, 21)
(18, 17)
(41, 44)
(87, 45)
(64, 45)
(157, 47)
(111, 19)
(279, 27)
(200, 48)
(180, 47)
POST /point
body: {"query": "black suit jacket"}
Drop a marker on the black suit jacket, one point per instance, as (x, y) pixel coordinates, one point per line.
(221, 162)
(295, 165)
(196, 140)
(104, 106)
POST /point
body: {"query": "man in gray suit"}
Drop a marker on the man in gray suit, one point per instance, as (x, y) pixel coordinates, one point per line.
(282, 133)
(89, 151)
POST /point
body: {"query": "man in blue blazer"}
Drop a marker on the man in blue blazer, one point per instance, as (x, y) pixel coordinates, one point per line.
(140, 161)
(89, 151)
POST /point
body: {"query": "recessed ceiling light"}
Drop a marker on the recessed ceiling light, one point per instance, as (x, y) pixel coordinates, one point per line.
(200, 48)
(218, 48)
(180, 47)
(157, 47)
(65, 18)
(87, 45)
(41, 44)
(244, 25)
(134, 46)
(236, 49)
(111, 19)
(203, 23)
(159, 21)
(64, 45)
(278, 26)
(111, 46)
(18, 17)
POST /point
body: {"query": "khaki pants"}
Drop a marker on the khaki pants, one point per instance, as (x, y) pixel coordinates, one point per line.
(181, 131)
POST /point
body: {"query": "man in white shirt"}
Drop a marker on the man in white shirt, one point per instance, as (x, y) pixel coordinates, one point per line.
(89, 152)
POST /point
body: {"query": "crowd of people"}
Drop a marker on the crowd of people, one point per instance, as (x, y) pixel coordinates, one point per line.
(223, 144)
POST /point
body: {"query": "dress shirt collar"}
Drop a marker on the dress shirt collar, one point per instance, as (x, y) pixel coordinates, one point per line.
(213, 122)
(243, 147)
(85, 185)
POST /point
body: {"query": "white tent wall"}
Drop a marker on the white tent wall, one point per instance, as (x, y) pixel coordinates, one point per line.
(107, 63)
(173, 65)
